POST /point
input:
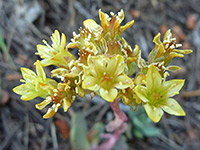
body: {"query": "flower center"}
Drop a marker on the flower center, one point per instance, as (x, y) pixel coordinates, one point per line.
(106, 80)
(57, 97)
(155, 98)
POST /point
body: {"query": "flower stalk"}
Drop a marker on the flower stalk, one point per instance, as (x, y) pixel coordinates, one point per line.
(120, 117)
(117, 126)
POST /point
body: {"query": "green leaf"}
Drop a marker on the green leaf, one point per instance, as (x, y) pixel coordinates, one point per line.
(142, 124)
(6, 52)
(131, 68)
(128, 131)
(96, 131)
(78, 133)
(121, 144)
(151, 131)
(152, 55)
(138, 133)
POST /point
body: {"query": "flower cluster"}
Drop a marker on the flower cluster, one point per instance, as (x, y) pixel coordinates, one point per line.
(106, 66)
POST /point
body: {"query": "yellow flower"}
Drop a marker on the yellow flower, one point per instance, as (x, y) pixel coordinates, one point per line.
(111, 26)
(55, 54)
(63, 96)
(35, 85)
(73, 74)
(156, 95)
(166, 50)
(105, 75)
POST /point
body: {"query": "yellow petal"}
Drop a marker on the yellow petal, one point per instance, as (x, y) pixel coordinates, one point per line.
(108, 95)
(28, 74)
(63, 43)
(90, 83)
(154, 114)
(44, 103)
(154, 78)
(141, 92)
(140, 79)
(92, 26)
(105, 19)
(55, 38)
(29, 96)
(96, 65)
(66, 104)
(20, 89)
(26, 92)
(51, 111)
(173, 108)
(44, 51)
(156, 39)
(184, 51)
(173, 87)
(118, 20)
(115, 65)
(174, 54)
(161, 50)
(167, 35)
(80, 91)
(40, 70)
(127, 25)
(173, 68)
(45, 62)
(120, 16)
(123, 81)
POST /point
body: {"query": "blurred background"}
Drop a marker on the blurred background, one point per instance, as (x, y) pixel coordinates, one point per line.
(25, 23)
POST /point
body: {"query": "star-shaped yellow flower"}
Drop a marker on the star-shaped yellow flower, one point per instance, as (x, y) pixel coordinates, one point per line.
(166, 50)
(36, 85)
(56, 54)
(105, 75)
(63, 96)
(156, 95)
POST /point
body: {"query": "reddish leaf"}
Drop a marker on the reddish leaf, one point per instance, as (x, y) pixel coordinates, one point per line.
(191, 21)
(63, 128)
(135, 13)
(163, 29)
(4, 97)
(13, 76)
(178, 33)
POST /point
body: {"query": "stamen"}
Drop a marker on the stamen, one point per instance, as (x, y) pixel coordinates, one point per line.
(167, 46)
(172, 46)
(178, 45)
(55, 90)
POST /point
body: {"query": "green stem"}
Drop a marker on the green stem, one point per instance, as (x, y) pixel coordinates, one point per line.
(6, 53)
